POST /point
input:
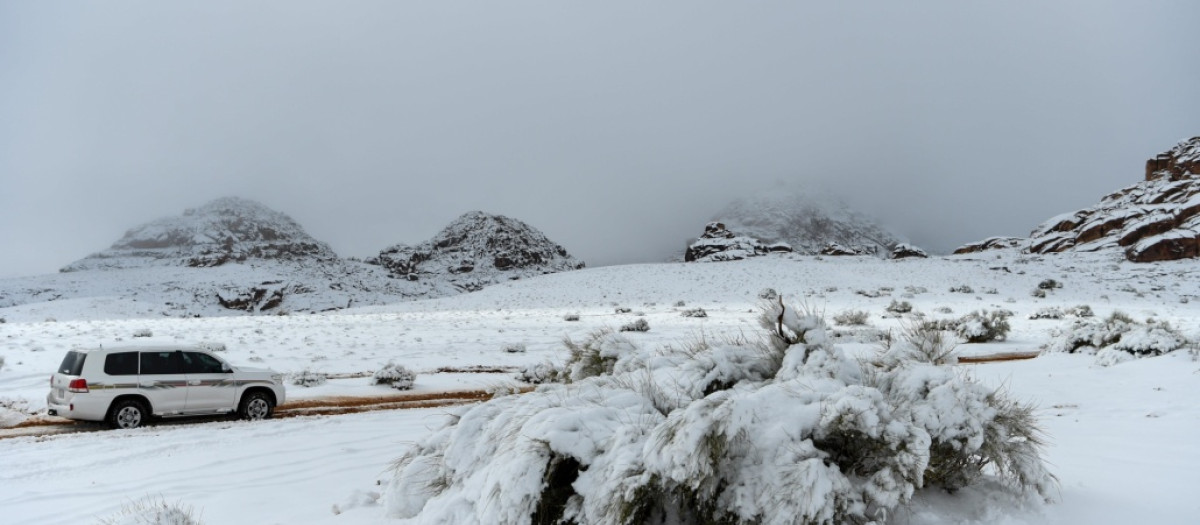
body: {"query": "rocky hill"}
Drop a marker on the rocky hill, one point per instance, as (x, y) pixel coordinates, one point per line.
(808, 221)
(717, 243)
(237, 256)
(223, 231)
(1156, 219)
(476, 250)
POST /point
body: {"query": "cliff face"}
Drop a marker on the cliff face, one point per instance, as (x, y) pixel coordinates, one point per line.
(476, 250)
(1154, 220)
(223, 231)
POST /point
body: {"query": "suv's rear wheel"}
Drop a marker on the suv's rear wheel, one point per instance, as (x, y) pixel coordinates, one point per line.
(256, 406)
(128, 413)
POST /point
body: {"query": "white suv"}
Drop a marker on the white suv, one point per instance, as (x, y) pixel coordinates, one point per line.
(126, 385)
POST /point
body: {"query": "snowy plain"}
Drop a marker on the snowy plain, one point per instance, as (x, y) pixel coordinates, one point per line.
(1121, 436)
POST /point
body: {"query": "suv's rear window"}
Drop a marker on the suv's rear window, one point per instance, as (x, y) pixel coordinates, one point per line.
(121, 364)
(72, 364)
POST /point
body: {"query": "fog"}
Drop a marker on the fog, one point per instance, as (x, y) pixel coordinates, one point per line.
(617, 128)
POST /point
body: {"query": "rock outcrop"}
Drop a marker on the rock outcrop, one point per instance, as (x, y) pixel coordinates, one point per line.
(719, 244)
(223, 231)
(908, 251)
(476, 250)
(1154, 220)
(992, 243)
(806, 219)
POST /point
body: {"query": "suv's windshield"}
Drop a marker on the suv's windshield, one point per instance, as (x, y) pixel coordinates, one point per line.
(72, 364)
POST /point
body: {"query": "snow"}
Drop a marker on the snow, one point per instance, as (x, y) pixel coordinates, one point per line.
(1120, 436)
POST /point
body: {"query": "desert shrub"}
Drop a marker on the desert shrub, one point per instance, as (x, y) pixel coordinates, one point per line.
(962, 288)
(991, 291)
(851, 318)
(1049, 284)
(899, 307)
(1, 362)
(680, 304)
(694, 312)
(152, 511)
(211, 347)
(639, 325)
(1082, 310)
(307, 378)
(622, 310)
(1049, 312)
(768, 294)
(943, 310)
(513, 348)
(983, 326)
(143, 332)
(786, 430)
(916, 290)
(1120, 333)
(871, 294)
(539, 373)
(923, 343)
(1038, 293)
(595, 356)
(395, 376)
(571, 317)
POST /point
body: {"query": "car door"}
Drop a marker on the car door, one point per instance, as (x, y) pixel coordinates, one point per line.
(163, 381)
(210, 386)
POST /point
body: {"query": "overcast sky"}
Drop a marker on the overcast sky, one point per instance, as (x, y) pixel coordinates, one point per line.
(616, 127)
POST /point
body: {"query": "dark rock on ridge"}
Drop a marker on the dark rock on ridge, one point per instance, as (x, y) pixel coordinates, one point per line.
(476, 250)
(719, 244)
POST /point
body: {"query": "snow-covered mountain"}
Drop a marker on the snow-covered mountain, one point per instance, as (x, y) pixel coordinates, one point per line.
(225, 230)
(476, 250)
(1156, 219)
(807, 220)
(237, 256)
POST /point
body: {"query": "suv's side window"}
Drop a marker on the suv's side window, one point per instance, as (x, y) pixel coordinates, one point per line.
(200, 363)
(121, 364)
(166, 362)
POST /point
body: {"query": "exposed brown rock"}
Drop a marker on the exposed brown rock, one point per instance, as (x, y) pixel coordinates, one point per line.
(1153, 219)
(991, 243)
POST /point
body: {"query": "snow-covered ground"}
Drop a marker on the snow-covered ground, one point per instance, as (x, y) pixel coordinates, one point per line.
(1121, 436)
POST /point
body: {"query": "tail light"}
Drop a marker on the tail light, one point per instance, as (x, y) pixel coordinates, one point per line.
(77, 385)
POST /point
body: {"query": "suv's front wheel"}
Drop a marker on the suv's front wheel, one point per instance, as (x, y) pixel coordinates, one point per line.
(128, 413)
(256, 406)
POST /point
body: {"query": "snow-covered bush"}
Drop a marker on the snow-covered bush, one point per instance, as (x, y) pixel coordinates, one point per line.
(211, 346)
(395, 376)
(962, 288)
(1082, 310)
(143, 332)
(851, 318)
(694, 312)
(1038, 293)
(1119, 332)
(597, 355)
(768, 294)
(1, 362)
(787, 430)
(982, 326)
(899, 307)
(307, 378)
(152, 511)
(622, 310)
(571, 317)
(639, 325)
(923, 343)
(1049, 312)
(514, 348)
(539, 373)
